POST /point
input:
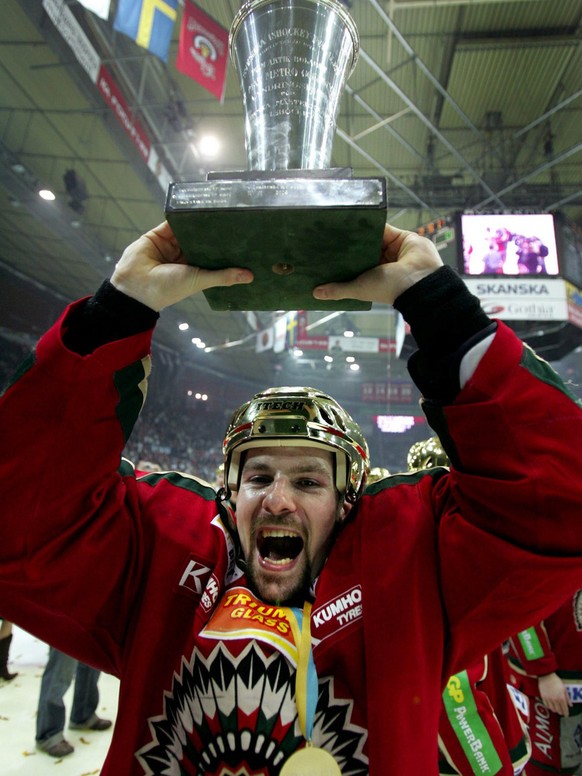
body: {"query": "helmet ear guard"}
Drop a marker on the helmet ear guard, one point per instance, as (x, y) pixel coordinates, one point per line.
(298, 417)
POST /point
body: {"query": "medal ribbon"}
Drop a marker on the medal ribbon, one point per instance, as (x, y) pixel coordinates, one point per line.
(306, 688)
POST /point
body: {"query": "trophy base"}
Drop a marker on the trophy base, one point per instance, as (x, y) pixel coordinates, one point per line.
(295, 229)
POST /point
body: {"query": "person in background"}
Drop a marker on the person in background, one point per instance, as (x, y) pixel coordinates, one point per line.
(545, 663)
(219, 476)
(318, 623)
(426, 454)
(5, 642)
(481, 730)
(531, 256)
(147, 466)
(58, 674)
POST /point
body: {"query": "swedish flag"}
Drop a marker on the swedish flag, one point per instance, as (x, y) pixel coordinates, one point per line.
(148, 22)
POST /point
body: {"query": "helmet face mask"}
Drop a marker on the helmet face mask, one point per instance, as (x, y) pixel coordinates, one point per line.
(298, 417)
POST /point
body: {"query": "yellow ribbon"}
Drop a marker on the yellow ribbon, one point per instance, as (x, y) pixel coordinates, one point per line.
(303, 644)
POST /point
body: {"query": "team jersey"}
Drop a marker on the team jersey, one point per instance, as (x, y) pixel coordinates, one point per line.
(139, 575)
(481, 730)
(552, 646)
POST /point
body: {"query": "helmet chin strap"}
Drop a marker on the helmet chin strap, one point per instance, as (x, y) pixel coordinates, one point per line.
(223, 493)
(350, 496)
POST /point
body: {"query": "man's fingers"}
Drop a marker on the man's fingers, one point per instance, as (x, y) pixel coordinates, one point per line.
(223, 277)
(374, 285)
(332, 291)
(392, 242)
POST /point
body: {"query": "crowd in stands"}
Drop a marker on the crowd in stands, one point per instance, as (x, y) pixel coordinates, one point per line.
(188, 441)
(185, 436)
(188, 438)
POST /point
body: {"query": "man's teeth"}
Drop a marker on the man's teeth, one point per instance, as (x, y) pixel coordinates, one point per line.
(279, 545)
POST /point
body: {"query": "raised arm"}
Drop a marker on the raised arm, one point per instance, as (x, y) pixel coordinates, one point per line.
(72, 544)
(509, 512)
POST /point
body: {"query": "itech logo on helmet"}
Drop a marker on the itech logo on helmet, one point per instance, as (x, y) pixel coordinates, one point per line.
(266, 406)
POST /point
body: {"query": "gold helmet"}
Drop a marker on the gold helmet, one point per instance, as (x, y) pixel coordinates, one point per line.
(219, 474)
(377, 473)
(427, 454)
(298, 417)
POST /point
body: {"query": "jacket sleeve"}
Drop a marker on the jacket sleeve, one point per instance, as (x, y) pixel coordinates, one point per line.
(511, 517)
(509, 514)
(70, 551)
(533, 649)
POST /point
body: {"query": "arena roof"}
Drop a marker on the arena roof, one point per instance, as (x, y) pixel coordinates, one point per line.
(461, 104)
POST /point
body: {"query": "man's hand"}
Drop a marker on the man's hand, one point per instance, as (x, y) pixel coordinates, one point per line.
(406, 259)
(554, 695)
(154, 271)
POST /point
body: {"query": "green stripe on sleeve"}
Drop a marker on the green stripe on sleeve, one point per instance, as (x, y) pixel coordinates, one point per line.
(468, 726)
(179, 479)
(544, 372)
(531, 644)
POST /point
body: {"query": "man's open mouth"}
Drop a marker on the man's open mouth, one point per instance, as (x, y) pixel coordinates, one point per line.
(279, 546)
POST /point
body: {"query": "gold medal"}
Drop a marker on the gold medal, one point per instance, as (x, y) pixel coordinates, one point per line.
(310, 761)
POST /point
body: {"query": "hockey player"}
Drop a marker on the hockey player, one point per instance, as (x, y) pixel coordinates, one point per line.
(313, 630)
(545, 663)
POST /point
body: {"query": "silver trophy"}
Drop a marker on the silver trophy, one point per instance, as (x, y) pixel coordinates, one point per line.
(293, 59)
(290, 218)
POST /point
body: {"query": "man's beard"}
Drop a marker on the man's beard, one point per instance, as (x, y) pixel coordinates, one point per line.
(299, 591)
(295, 596)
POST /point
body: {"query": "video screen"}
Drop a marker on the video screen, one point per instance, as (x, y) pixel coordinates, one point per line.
(397, 424)
(514, 244)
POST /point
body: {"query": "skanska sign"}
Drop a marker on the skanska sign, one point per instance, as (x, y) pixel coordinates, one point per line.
(521, 300)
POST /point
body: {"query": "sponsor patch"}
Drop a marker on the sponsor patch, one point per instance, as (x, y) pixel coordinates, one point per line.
(337, 614)
(240, 615)
(194, 577)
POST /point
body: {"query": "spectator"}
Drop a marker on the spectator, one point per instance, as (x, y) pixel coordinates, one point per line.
(51, 716)
(5, 641)
(546, 664)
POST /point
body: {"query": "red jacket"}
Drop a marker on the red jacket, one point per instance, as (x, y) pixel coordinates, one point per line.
(433, 571)
(551, 646)
(481, 730)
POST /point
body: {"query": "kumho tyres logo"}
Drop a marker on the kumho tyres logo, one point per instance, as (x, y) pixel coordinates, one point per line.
(337, 614)
(237, 716)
